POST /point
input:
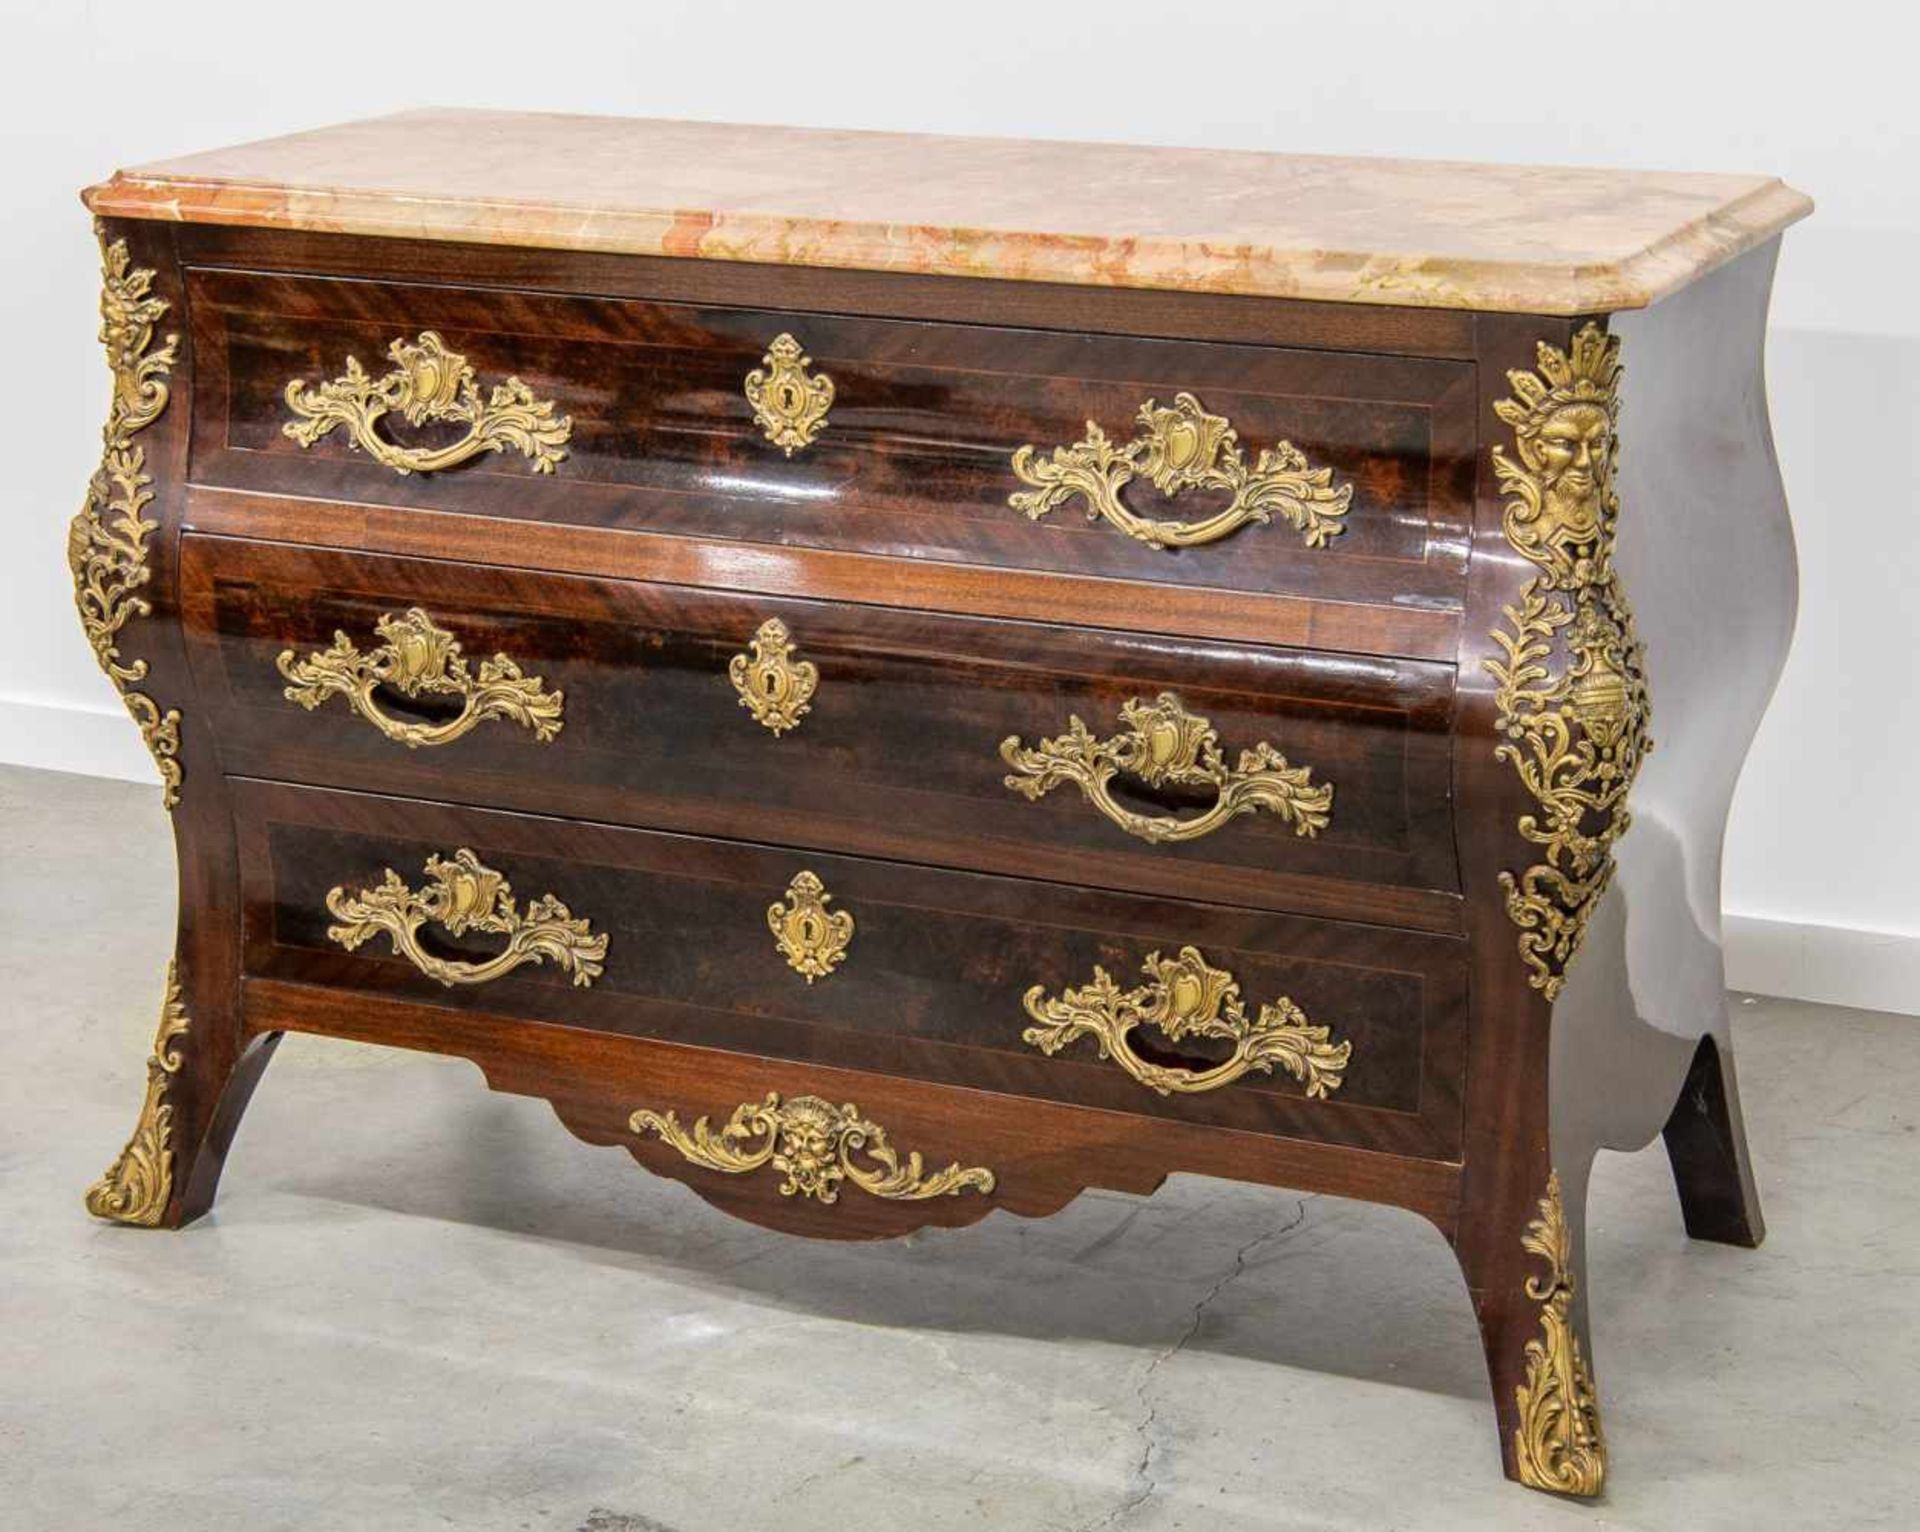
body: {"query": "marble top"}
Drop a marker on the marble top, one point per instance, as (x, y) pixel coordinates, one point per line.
(1431, 233)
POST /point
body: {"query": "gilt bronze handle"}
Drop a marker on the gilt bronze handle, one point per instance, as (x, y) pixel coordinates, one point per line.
(463, 895)
(1187, 997)
(419, 659)
(1177, 449)
(428, 385)
(1165, 745)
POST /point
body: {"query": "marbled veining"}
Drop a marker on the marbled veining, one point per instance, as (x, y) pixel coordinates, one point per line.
(1432, 234)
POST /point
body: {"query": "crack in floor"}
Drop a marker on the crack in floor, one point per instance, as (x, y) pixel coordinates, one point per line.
(1143, 1474)
(600, 1519)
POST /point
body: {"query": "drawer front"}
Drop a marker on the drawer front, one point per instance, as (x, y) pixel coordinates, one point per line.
(640, 415)
(1324, 787)
(1340, 1033)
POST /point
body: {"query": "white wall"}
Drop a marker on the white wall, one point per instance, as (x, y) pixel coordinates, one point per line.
(1826, 833)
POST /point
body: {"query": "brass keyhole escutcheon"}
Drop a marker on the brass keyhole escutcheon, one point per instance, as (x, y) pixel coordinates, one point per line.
(812, 938)
(776, 688)
(789, 404)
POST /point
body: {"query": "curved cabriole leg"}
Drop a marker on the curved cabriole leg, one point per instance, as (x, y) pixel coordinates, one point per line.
(1526, 1269)
(139, 1184)
(197, 1089)
(1554, 1440)
(1707, 550)
(1610, 609)
(1552, 732)
(122, 548)
(1707, 1144)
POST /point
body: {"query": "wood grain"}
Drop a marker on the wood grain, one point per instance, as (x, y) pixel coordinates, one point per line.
(898, 755)
(931, 984)
(915, 458)
(943, 621)
(1043, 1153)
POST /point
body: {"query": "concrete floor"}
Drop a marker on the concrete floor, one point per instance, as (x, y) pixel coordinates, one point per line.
(421, 1305)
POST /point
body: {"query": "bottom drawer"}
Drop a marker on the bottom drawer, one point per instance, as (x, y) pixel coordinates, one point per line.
(1212, 1015)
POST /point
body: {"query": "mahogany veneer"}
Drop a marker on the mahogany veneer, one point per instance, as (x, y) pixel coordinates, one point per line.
(1426, 962)
(899, 754)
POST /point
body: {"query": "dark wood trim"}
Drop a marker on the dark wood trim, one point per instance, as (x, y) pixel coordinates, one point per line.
(931, 986)
(899, 755)
(918, 584)
(1508, 1151)
(895, 295)
(1044, 1153)
(1484, 1090)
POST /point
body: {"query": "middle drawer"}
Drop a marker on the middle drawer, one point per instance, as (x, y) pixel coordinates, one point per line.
(1276, 778)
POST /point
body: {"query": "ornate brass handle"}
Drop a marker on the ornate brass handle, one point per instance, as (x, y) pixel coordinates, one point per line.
(466, 895)
(813, 1143)
(1176, 449)
(788, 404)
(428, 384)
(419, 659)
(1165, 745)
(1186, 997)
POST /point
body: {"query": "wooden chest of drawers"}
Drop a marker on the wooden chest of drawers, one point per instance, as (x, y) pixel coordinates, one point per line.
(889, 714)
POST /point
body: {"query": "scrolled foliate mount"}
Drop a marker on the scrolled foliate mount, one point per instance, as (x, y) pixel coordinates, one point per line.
(107, 541)
(418, 658)
(428, 385)
(1177, 449)
(812, 938)
(1558, 1445)
(816, 1146)
(461, 895)
(139, 1183)
(1166, 745)
(789, 403)
(773, 686)
(1571, 694)
(1186, 996)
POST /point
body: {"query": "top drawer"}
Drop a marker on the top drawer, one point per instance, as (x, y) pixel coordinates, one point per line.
(1361, 463)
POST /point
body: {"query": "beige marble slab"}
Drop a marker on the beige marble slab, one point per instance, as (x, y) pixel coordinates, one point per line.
(1435, 234)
